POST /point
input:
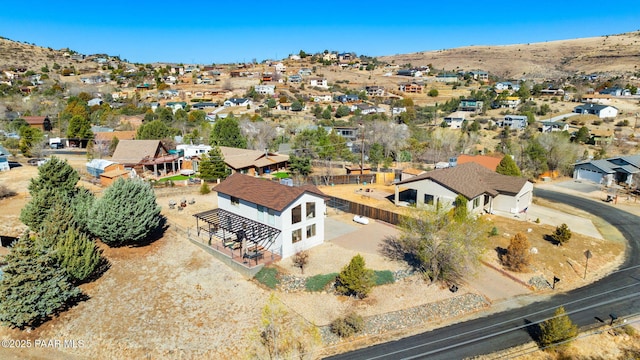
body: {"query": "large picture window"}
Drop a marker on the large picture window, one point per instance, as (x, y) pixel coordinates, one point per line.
(311, 210)
(296, 214)
(296, 235)
(311, 231)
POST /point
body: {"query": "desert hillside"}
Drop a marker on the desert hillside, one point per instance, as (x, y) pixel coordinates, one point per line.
(614, 54)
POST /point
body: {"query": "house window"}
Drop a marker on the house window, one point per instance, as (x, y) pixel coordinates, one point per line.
(296, 235)
(476, 202)
(428, 199)
(311, 231)
(261, 211)
(271, 217)
(235, 201)
(311, 210)
(296, 214)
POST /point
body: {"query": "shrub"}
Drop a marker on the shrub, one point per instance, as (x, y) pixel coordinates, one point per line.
(558, 329)
(383, 277)
(355, 279)
(204, 188)
(320, 282)
(562, 234)
(348, 325)
(300, 259)
(268, 276)
(6, 192)
(494, 231)
(518, 257)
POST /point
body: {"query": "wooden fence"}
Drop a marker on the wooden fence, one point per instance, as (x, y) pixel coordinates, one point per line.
(341, 179)
(365, 210)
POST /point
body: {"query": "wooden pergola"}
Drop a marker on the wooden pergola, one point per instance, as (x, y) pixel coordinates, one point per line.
(233, 227)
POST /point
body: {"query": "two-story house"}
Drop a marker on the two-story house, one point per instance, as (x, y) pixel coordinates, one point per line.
(296, 213)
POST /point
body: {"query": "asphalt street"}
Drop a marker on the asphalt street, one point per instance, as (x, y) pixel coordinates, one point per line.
(617, 294)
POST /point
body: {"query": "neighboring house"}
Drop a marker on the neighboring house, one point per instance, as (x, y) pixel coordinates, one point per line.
(615, 91)
(455, 119)
(447, 78)
(410, 173)
(410, 88)
(176, 105)
(602, 111)
(270, 216)
(146, 157)
(280, 68)
(365, 109)
(295, 78)
(479, 75)
(265, 89)
(375, 90)
(304, 72)
(39, 122)
(484, 189)
(506, 85)
(514, 122)
(105, 170)
(318, 82)
(471, 105)
(349, 98)
(596, 98)
(601, 136)
(193, 150)
(608, 171)
(348, 132)
(511, 102)
(551, 126)
(106, 137)
(398, 110)
(4, 159)
(237, 102)
(321, 98)
(253, 162)
(489, 162)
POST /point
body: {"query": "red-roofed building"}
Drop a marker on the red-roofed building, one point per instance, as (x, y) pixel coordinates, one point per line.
(490, 162)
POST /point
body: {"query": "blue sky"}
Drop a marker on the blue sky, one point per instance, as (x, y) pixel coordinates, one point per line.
(207, 32)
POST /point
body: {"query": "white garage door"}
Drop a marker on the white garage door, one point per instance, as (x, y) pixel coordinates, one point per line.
(584, 174)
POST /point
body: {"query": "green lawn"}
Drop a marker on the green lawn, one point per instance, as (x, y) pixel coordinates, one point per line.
(174, 178)
(281, 175)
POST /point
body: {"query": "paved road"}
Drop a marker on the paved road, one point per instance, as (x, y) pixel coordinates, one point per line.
(618, 293)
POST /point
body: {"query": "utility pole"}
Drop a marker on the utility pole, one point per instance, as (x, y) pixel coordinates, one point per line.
(362, 151)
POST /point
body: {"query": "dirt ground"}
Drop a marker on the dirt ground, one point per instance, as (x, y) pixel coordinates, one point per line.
(171, 299)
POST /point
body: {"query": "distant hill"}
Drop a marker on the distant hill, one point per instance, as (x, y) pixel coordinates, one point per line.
(14, 54)
(613, 55)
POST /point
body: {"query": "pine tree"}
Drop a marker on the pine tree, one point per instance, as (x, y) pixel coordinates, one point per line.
(78, 256)
(126, 214)
(355, 278)
(508, 167)
(557, 329)
(518, 257)
(34, 213)
(562, 234)
(32, 287)
(226, 132)
(54, 174)
(212, 165)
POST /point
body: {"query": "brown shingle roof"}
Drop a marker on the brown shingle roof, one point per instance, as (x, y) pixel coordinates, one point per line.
(34, 120)
(132, 152)
(472, 180)
(244, 158)
(109, 135)
(263, 192)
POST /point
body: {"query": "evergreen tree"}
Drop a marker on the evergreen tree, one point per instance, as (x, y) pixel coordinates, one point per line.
(460, 210)
(508, 166)
(79, 128)
(78, 256)
(226, 132)
(582, 136)
(34, 213)
(562, 234)
(355, 278)
(81, 203)
(557, 329)
(32, 287)
(300, 165)
(126, 214)
(212, 165)
(518, 257)
(54, 174)
(154, 130)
